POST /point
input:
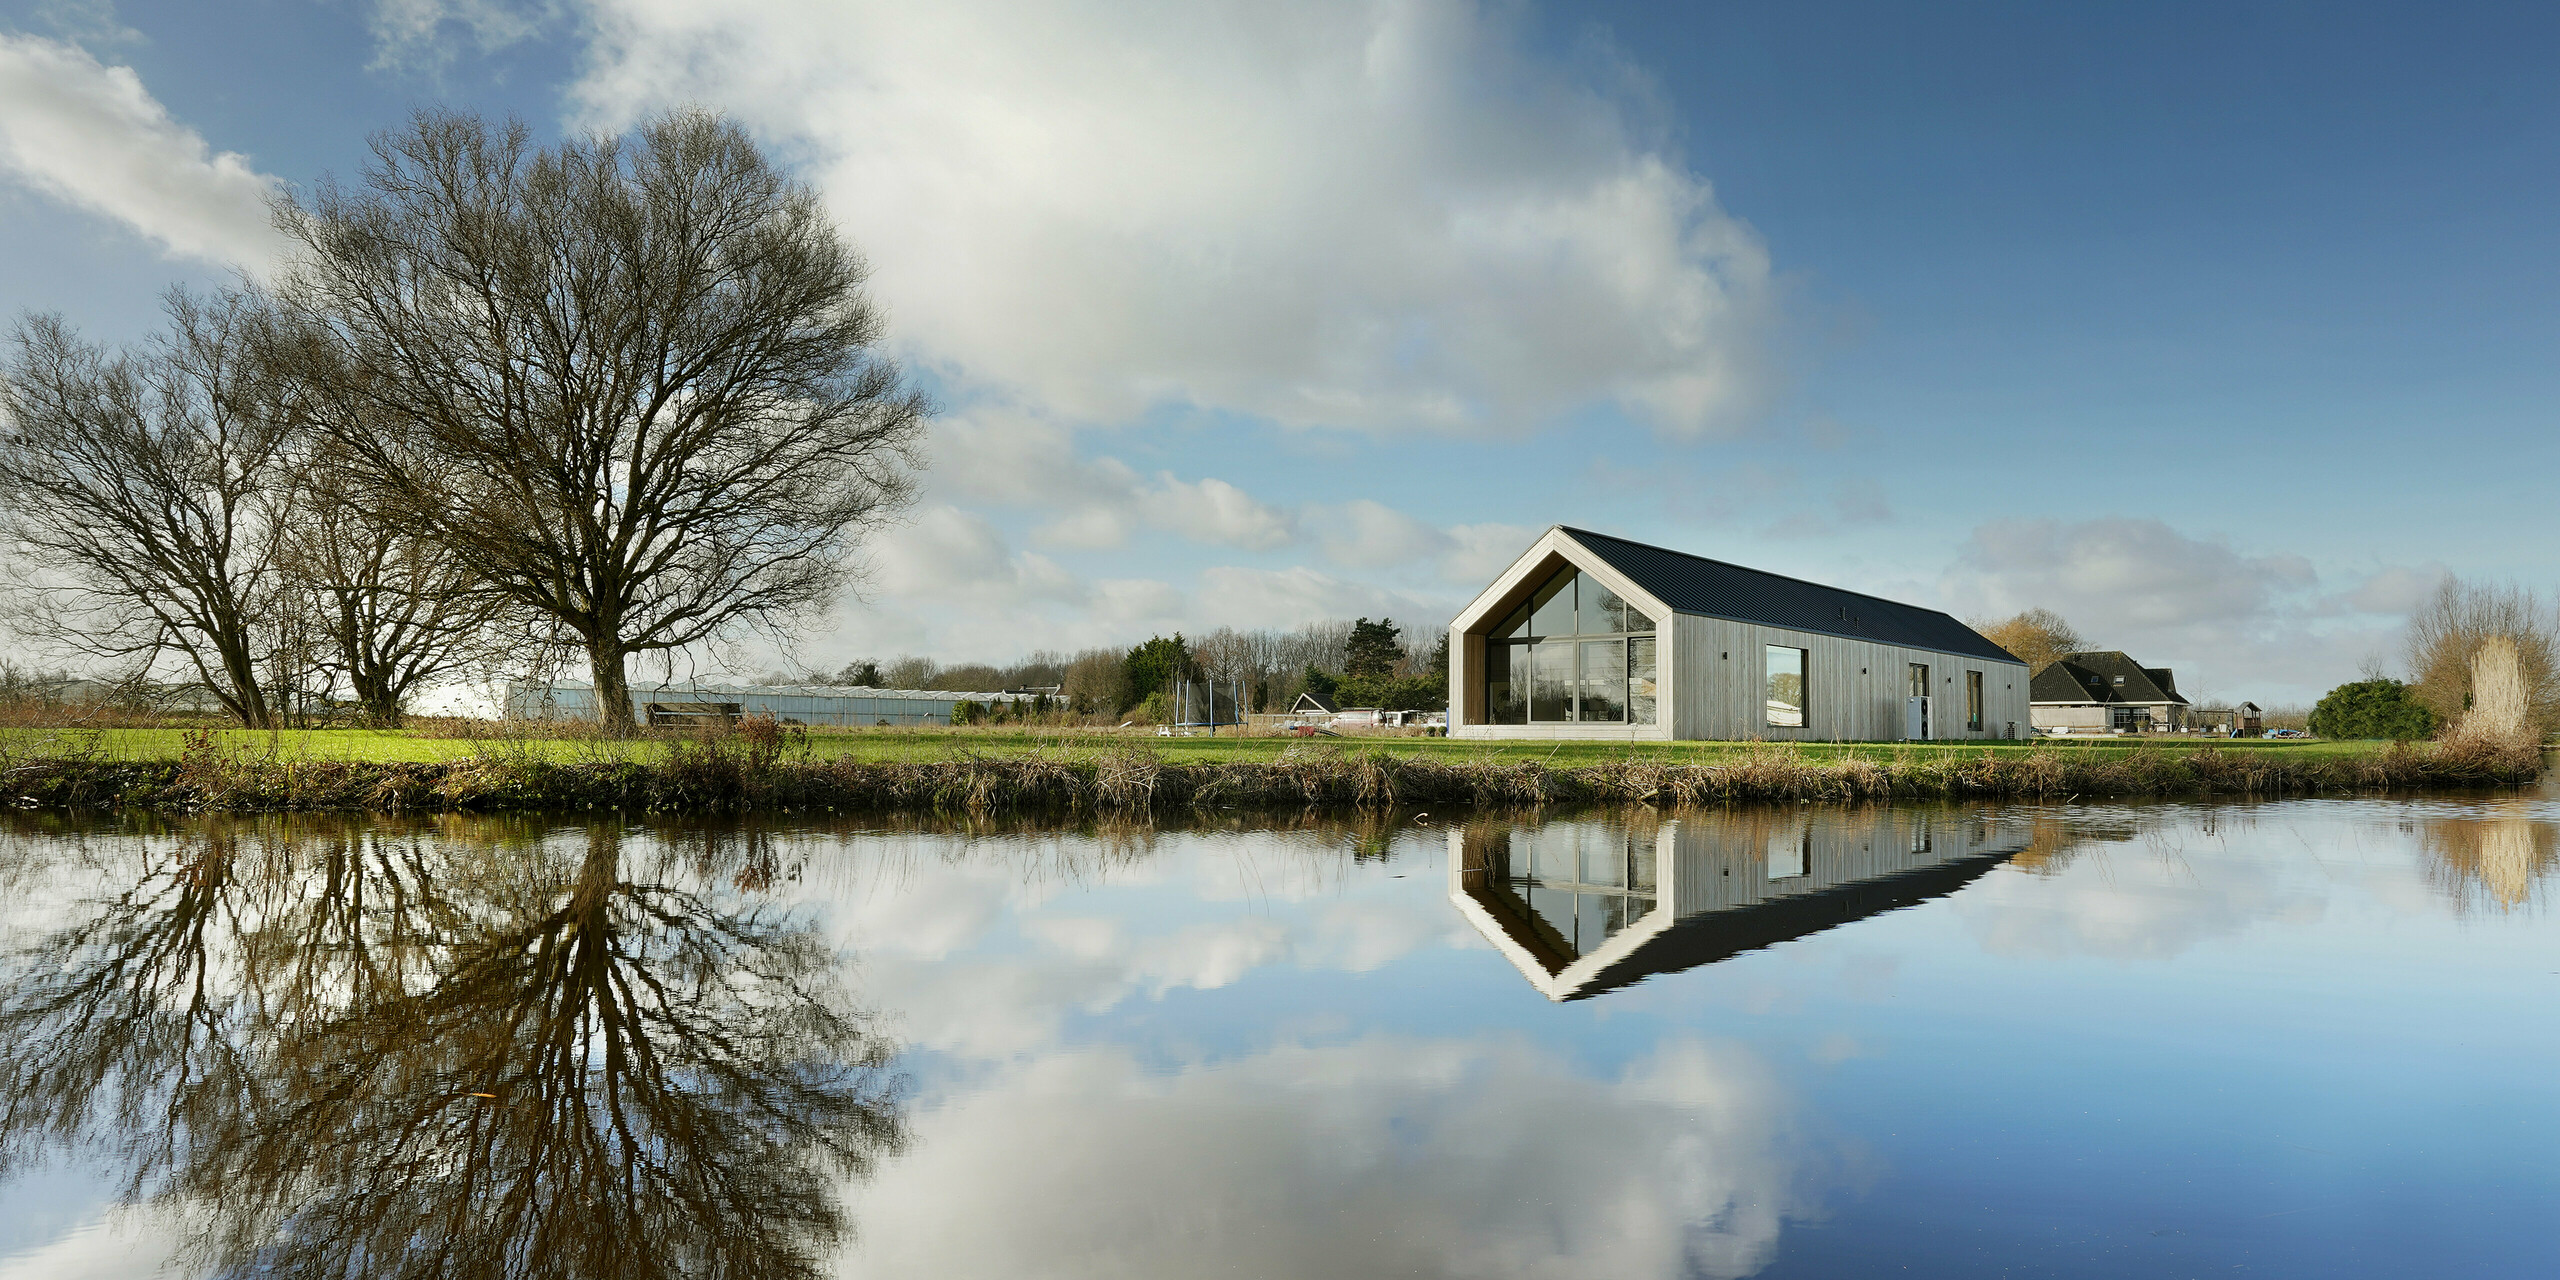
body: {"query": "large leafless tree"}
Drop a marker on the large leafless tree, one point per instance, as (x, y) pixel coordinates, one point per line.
(398, 610)
(631, 384)
(138, 491)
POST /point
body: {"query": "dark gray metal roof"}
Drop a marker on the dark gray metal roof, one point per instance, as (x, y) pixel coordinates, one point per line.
(1695, 584)
(2102, 676)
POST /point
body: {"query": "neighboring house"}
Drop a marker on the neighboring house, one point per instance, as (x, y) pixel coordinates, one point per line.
(1309, 704)
(1590, 636)
(2105, 691)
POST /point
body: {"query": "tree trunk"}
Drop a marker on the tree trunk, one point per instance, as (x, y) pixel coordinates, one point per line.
(248, 699)
(381, 706)
(613, 689)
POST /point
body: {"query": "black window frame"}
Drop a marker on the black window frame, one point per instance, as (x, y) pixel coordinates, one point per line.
(1520, 662)
(1804, 687)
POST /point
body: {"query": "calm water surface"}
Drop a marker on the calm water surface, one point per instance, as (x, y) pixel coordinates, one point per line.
(2310, 1038)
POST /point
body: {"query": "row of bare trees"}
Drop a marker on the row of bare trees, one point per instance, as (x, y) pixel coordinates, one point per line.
(604, 399)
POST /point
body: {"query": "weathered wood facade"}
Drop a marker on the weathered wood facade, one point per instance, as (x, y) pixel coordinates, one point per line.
(1711, 644)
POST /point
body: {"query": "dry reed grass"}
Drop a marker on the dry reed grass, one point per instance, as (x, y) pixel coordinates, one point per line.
(2498, 732)
(770, 769)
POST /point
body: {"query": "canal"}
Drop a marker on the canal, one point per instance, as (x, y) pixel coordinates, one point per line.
(2294, 1038)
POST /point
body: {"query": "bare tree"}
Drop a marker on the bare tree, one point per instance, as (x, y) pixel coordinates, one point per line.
(139, 488)
(398, 610)
(630, 385)
(2446, 633)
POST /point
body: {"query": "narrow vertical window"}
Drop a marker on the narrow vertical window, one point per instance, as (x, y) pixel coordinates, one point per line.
(1640, 685)
(1973, 701)
(1786, 697)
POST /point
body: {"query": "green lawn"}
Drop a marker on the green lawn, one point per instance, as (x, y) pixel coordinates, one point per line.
(937, 742)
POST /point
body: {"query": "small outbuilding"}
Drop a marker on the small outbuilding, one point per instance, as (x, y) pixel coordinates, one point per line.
(1592, 636)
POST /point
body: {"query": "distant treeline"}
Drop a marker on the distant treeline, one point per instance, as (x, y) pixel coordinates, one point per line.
(1351, 663)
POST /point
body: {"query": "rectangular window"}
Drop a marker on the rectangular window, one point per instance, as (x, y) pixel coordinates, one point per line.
(1551, 685)
(1640, 680)
(1786, 687)
(1506, 683)
(1919, 679)
(1973, 701)
(1604, 682)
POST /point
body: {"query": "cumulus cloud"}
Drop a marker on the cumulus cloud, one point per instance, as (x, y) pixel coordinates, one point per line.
(2233, 622)
(1243, 597)
(946, 552)
(2398, 590)
(90, 135)
(1387, 1156)
(2122, 573)
(1025, 461)
(421, 34)
(1370, 214)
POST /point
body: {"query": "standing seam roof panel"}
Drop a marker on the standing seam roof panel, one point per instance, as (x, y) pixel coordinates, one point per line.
(1695, 584)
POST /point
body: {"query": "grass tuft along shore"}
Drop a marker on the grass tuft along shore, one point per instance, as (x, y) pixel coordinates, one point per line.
(765, 769)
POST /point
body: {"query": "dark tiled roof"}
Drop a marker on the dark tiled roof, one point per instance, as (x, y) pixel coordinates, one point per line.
(1695, 584)
(2106, 675)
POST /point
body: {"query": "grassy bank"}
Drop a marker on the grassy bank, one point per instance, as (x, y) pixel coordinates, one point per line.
(930, 743)
(988, 773)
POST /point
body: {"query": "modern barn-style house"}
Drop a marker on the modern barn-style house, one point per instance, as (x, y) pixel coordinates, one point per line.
(1590, 636)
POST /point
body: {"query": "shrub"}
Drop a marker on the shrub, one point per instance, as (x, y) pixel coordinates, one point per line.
(1387, 693)
(2372, 709)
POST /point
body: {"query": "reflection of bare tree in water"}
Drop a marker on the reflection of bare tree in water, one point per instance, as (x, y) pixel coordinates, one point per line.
(370, 1057)
(2499, 858)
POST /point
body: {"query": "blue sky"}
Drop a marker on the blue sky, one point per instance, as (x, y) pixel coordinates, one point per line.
(2223, 330)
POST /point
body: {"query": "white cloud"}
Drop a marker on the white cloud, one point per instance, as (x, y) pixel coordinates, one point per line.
(1387, 1156)
(1479, 551)
(948, 553)
(2124, 573)
(92, 136)
(1372, 213)
(420, 33)
(2233, 623)
(1242, 597)
(2396, 590)
(87, 22)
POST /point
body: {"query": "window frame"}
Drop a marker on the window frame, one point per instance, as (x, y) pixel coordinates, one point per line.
(1973, 700)
(1804, 687)
(1518, 628)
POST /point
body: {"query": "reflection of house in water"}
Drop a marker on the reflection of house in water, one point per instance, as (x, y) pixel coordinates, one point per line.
(1589, 905)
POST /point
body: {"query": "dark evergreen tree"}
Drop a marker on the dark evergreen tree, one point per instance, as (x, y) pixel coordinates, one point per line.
(1154, 665)
(2372, 709)
(1372, 650)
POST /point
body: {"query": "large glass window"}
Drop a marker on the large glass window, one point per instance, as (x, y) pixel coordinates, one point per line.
(1786, 687)
(1551, 610)
(1506, 683)
(1551, 692)
(1604, 682)
(1574, 652)
(1973, 701)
